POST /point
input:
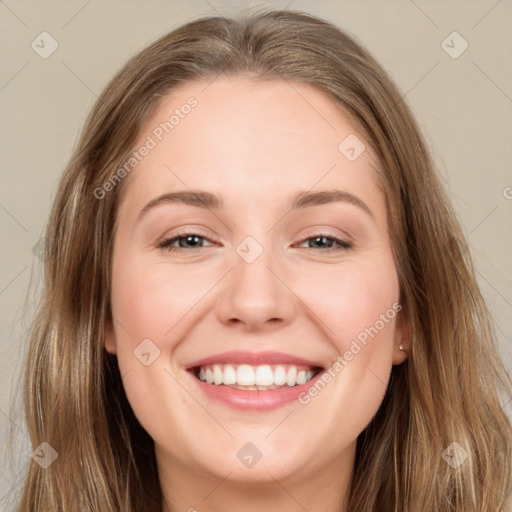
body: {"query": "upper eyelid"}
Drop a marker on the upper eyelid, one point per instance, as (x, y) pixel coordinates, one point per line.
(316, 231)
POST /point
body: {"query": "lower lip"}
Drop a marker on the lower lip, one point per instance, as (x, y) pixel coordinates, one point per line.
(254, 400)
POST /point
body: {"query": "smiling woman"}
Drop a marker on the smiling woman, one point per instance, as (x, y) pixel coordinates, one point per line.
(274, 308)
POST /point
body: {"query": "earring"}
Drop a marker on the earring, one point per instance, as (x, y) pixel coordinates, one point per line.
(401, 347)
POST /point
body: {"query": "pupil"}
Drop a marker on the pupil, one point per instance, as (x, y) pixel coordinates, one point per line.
(321, 238)
(189, 239)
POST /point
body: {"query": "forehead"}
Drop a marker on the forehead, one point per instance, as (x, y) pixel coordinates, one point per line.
(244, 136)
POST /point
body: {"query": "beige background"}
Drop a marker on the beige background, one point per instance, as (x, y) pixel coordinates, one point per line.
(464, 105)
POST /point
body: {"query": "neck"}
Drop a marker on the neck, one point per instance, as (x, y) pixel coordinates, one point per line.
(315, 489)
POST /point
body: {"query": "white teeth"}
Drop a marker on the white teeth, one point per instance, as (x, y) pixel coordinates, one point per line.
(279, 376)
(245, 375)
(260, 377)
(217, 374)
(291, 376)
(229, 375)
(264, 376)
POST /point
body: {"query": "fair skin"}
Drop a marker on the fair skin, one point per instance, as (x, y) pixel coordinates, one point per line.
(255, 144)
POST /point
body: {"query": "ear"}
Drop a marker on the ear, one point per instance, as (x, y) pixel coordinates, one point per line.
(110, 337)
(402, 336)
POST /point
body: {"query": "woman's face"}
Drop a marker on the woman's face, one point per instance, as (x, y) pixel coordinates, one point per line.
(276, 268)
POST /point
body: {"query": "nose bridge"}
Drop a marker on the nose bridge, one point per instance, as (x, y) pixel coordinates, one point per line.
(255, 293)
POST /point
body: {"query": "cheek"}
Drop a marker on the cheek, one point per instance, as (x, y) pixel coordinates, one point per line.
(149, 303)
(149, 300)
(358, 309)
(353, 302)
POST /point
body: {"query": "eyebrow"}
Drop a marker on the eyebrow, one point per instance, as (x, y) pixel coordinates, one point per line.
(207, 200)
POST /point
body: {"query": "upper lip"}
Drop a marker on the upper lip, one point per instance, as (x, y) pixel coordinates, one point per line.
(253, 358)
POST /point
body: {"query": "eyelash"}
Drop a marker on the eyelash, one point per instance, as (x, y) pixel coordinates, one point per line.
(166, 244)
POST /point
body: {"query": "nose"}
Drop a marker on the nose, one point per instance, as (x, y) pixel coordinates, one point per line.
(256, 295)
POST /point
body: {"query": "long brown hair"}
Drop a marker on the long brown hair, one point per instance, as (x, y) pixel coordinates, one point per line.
(449, 389)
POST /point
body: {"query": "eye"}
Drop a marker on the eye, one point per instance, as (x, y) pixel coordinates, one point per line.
(184, 240)
(193, 241)
(328, 243)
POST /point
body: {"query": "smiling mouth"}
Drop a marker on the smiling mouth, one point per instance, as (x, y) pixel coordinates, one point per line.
(255, 377)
